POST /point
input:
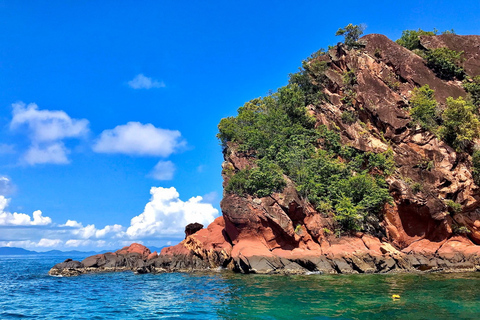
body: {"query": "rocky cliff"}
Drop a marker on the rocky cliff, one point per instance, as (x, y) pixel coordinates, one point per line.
(285, 232)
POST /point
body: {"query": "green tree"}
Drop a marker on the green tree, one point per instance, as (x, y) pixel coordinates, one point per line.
(460, 124)
(410, 39)
(445, 63)
(348, 214)
(472, 86)
(423, 107)
(351, 33)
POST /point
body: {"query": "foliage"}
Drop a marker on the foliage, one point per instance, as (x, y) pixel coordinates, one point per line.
(472, 86)
(461, 229)
(476, 167)
(298, 229)
(260, 181)
(349, 117)
(453, 206)
(349, 78)
(351, 34)
(423, 107)
(451, 31)
(460, 124)
(416, 187)
(348, 214)
(311, 78)
(445, 63)
(383, 162)
(410, 39)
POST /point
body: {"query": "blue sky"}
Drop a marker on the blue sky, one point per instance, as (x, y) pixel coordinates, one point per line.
(101, 101)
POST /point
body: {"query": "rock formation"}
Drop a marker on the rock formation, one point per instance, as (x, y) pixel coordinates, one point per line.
(283, 233)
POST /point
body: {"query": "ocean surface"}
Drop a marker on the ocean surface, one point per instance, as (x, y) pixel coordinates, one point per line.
(26, 291)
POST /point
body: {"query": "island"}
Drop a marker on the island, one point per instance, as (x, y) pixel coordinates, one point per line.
(366, 162)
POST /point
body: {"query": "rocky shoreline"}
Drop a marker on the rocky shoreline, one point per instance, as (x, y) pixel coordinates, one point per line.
(348, 255)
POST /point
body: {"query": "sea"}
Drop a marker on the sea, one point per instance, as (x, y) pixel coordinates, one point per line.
(27, 291)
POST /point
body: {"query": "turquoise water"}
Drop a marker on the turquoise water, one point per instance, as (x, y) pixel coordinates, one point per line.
(26, 291)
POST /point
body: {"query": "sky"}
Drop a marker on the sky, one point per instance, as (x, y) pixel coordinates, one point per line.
(109, 109)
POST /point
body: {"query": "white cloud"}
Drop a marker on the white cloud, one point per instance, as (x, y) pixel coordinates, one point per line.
(163, 170)
(163, 219)
(135, 138)
(46, 125)
(20, 219)
(46, 129)
(142, 82)
(6, 186)
(167, 215)
(48, 242)
(90, 231)
(55, 153)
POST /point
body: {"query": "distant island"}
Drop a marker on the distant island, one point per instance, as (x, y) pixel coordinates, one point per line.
(21, 251)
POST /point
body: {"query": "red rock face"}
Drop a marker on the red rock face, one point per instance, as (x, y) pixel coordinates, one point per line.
(282, 232)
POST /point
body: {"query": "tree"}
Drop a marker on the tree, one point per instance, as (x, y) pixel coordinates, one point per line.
(410, 39)
(472, 86)
(423, 107)
(351, 33)
(460, 124)
(445, 63)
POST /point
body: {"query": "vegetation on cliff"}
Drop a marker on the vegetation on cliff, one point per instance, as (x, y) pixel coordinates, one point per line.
(281, 139)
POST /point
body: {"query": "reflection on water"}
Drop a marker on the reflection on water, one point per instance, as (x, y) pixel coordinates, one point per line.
(26, 291)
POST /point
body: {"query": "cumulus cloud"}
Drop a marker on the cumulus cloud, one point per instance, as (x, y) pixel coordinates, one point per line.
(46, 129)
(163, 170)
(163, 219)
(21, 219)
(135, 138)
(142, 82)
(46, 125)
(167, 215)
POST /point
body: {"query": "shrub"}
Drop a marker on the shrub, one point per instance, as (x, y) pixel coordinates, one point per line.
(260, 181)
(348, 214)
(473, 89)
(461, 230)
(416, 187)
(383, 161)
(453, 206)
(460, 124)
(349, 78)
(349, 117)
(423, 107)
(410, 39)
(311, 78)
(445, 63)
(298, 229)
(351, 34)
